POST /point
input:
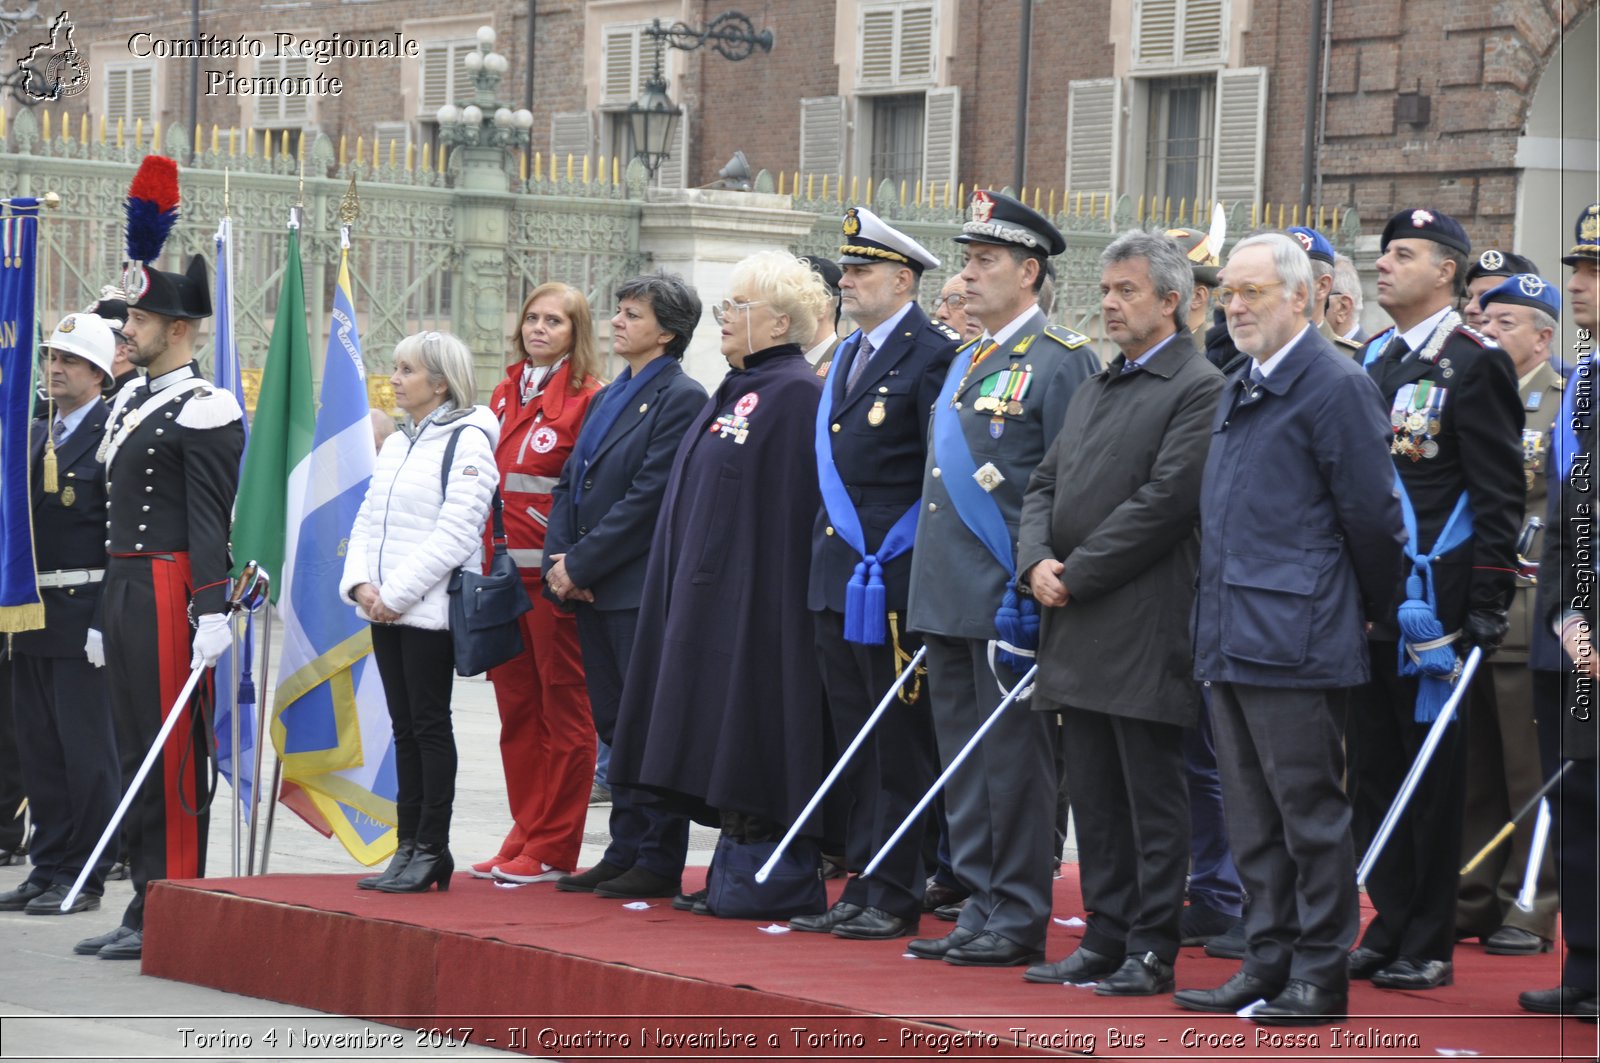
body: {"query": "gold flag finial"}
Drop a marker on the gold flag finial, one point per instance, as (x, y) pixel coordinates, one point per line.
(350, 204)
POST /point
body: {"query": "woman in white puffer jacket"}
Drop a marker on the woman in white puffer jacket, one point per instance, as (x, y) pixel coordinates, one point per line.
(407, 540)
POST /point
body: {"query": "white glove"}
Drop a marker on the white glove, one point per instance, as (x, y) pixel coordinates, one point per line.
(211, 640)
(94, 648)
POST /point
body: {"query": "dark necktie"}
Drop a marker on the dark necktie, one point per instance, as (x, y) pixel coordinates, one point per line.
(58, 431)
(858, 364)
(1257, 377)
(1130, 367)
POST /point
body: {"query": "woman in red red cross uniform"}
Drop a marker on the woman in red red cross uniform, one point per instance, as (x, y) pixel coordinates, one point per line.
(547, 741)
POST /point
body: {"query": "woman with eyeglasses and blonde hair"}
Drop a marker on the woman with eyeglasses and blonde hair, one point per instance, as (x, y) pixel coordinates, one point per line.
(547, 741)
(721, 710)
(417, 525)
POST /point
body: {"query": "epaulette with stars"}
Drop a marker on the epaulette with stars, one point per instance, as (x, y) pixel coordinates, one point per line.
(944, 330)
(1483, 341)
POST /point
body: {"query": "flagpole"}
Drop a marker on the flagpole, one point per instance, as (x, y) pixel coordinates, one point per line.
(237, 833)
(261, 733)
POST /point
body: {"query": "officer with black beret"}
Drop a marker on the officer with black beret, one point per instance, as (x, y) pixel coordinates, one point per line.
(1487, 271)
(1452, 399)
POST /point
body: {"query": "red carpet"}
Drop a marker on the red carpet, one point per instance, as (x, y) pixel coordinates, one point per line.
(572, 976)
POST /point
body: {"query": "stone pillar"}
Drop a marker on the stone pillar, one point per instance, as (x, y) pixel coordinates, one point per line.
(483, 214)
(700, 234)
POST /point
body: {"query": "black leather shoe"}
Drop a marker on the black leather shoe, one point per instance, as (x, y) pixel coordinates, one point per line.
(1587, 1010)
(989, 949)
(1515, 941)
(841, 912)
(1230, 944)
(686, 902)
(937, 895)
(949, 912)
(1365, 962)
(873, 924)
(1144, 975)
(586, 882)
(92, 946)
(430, 865)
(1303, 1004)
(935, 948)
(1562, 1000)
(1201, 922)
(129, 946)
(1082, 966)
(49, 902)
(638, 882)
(1230, 996)
(15, 900)
(1410, 973)
(403, 853)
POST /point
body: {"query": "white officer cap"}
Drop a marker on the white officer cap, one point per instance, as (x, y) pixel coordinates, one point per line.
(869, 239)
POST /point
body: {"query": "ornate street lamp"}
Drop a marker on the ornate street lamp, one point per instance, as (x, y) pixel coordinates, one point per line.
(485, 122)
(654, 116)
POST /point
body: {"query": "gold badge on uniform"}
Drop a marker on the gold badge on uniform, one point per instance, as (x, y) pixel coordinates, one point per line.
(876, 414)
(68, 495)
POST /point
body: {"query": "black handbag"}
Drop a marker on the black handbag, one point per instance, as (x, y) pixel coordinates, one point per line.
(484, 608)
(795, 886)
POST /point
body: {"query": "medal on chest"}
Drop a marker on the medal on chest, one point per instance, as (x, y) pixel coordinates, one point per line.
(1415, 417)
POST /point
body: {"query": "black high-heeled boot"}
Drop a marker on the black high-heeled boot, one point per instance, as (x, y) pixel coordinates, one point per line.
(397, 864)
(430, 865)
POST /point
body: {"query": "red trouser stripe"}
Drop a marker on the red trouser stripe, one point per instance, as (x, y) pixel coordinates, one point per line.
(171, 582)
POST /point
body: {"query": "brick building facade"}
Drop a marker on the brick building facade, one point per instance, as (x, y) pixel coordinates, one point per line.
(1474, 106)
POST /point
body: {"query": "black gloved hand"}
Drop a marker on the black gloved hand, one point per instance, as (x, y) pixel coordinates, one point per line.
(1486, 629)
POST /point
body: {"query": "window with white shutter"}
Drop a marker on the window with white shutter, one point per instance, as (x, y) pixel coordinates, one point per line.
(629, 60)
(1168, 34)
(445, 78)
(394, 135)
(130, 92)
(1178, 138)
(571, 133)
(1240, 135)
(897, 46)
(1094, 135)
(941, 138)
(289, 107)
(674, 171)
(822, 130)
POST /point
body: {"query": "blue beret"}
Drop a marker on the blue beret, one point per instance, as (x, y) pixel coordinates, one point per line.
(1587, 232)
(1526, 289)
(1316, 245)
(1422, 224)
(996, 218)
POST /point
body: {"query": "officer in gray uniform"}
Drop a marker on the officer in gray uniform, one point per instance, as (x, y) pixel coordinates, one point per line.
(1002, 404)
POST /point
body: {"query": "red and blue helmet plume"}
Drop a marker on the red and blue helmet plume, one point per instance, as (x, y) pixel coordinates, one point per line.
(152, 207)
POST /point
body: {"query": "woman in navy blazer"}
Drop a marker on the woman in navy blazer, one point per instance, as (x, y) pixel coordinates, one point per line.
(602, 514)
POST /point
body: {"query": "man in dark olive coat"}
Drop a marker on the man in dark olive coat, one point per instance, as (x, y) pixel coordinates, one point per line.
(1109, 543)
(1300, 545)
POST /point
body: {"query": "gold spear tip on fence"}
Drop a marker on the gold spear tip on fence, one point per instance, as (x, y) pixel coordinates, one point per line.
(349, 204)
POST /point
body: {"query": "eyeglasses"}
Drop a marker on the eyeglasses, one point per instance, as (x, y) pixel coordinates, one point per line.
(955, 301)
(727, 308)
(1250, 293)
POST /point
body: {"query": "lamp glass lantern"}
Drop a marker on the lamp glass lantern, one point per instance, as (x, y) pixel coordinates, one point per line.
(654, 118)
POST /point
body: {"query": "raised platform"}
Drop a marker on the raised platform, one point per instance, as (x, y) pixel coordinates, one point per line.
(573, 976)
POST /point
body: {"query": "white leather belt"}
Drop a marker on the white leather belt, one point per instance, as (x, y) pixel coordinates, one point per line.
(70, 577)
